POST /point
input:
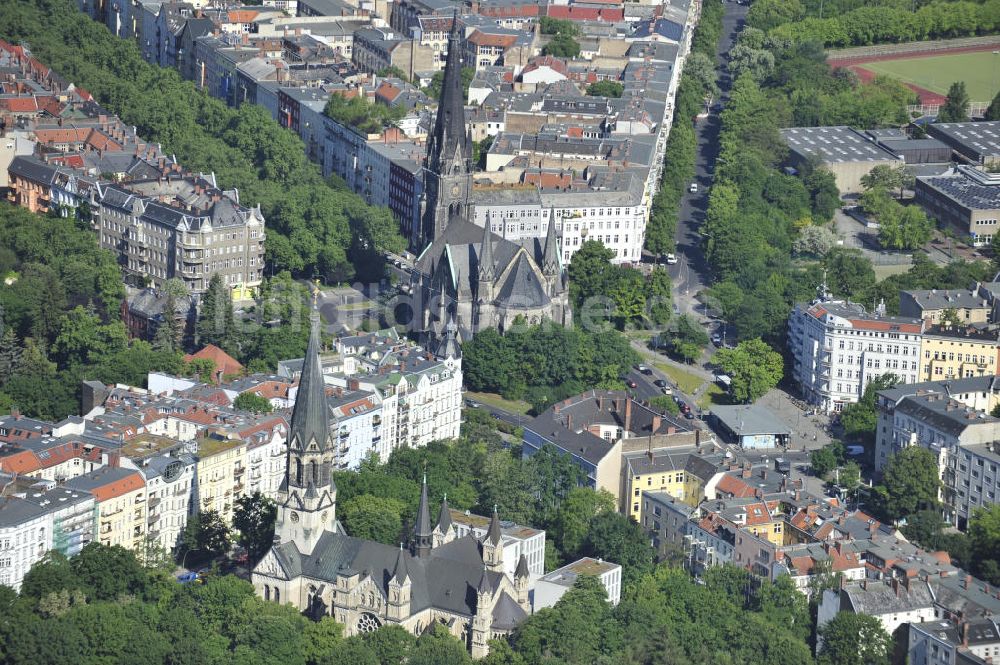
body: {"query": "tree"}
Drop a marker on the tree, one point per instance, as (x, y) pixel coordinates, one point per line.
(849, 273)
(993, 110)
(956, 104)
(658, 296)
(590, 272)
(815, 240)
(206, 534)
(433, 89)
(910, 483)
(924, 528)
(824, 460)
(562, 46)
(615, 537)
(859, 419)
(754, 367)
(215, 323)
(605, 89)
(254, 519)
(252, 402)
(886, 178)
(576, 511)
(170, 332)
(685, 338)
(437, 646)
(984, 542)
(555, 26)
(854, 639)
(905, 227)
(373, 518)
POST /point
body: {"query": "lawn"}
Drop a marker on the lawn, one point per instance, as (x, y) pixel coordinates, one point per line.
(980, 71)
(688, 382)
(494, 400)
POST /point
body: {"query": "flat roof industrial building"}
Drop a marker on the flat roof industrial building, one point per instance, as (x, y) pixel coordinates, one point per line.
(847, 153)
(967, 198)
(976, 142)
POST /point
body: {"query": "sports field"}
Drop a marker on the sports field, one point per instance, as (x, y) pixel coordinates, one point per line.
(980, 70)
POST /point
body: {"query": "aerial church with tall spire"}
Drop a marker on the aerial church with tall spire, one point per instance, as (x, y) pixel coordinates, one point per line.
(467, 277)
(431, 576)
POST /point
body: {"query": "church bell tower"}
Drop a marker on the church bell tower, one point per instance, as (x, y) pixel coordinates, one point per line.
(448, 167)
(307, 498)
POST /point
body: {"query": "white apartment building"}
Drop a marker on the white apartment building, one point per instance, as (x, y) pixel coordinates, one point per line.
(356, 422)
(267, 459)
(38, 521)
(550, 588)
(838, 348)
(615, 217)
(516, 539)
(169, 483)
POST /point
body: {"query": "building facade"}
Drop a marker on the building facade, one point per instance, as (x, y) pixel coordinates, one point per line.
(838, 348)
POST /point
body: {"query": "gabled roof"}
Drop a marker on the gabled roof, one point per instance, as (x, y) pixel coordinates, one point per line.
(223, 361)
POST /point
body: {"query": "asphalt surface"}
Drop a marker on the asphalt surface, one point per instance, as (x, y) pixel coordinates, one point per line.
(690, 273)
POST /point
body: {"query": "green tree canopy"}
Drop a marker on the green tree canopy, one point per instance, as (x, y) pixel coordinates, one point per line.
(910, 483)
(253, 402)
(956, 105)
(253, 520)
(854, 639)
(754, 367)
(605, 89)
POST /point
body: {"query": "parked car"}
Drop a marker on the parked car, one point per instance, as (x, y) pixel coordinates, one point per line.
(689, 415)
(671, 259)
(693, 188)
(716, 340)
(472, 404)
(667, 390)
(684, 407)
(660, 383)
(188, 578)
(631, 384)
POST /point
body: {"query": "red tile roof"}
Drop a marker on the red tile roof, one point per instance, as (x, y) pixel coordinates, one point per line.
(572, 13)
(480, 38)
(120, 487)
(223, 361)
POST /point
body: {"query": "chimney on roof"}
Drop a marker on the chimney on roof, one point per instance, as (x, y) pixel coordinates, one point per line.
(569, 421)
(628, 413)
(966, 581)
(15, 412)
(657, 420)
(747, 471)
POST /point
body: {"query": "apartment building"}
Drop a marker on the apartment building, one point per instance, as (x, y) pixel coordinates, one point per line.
(949, 352)
(893, 602)
(685, 474)
(971, 306)
(838, 347)
(170, 481)
(220, 475)
(120, 502)
(183, 227)
(944, 642)
(516, 540)
(551, 587)
(38, 520)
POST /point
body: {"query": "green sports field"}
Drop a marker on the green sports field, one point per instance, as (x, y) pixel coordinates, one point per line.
(980, 71)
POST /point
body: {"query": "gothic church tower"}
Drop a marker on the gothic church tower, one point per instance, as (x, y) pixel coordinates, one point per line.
(448, 167)
(307, 498)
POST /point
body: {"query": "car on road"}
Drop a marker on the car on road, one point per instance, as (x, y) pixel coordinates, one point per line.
(689, 415)
(646, 371)
(854, 451)
(472, 404)
(660, 383)
(631, 384)
(693, 188)
(188, 577)
(671, 259)
(667, 390)
(716, 340)
(683, 406)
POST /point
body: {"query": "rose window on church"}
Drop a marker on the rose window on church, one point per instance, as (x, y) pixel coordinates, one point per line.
(368, 623)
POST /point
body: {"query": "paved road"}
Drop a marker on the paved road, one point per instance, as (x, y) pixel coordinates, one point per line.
(690, 274)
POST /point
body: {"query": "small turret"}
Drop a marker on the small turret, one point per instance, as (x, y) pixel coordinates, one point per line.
(521, 579)
(423, 530)
(444, 532)
(493, 545)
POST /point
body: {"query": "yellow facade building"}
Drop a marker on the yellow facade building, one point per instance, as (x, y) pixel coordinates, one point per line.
(948, 352)
(120, 505)
(221, 475)
(684, 475)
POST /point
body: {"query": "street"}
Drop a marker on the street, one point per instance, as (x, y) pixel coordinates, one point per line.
(690, 274)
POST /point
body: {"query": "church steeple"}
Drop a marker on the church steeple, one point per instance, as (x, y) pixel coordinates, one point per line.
(448, 167)
(449, 145)
(423, 530)
(550, 254)
(308, 496)
(486, 267)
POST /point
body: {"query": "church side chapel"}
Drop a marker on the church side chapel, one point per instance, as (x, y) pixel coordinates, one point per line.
(466, 272)
(435, 577)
